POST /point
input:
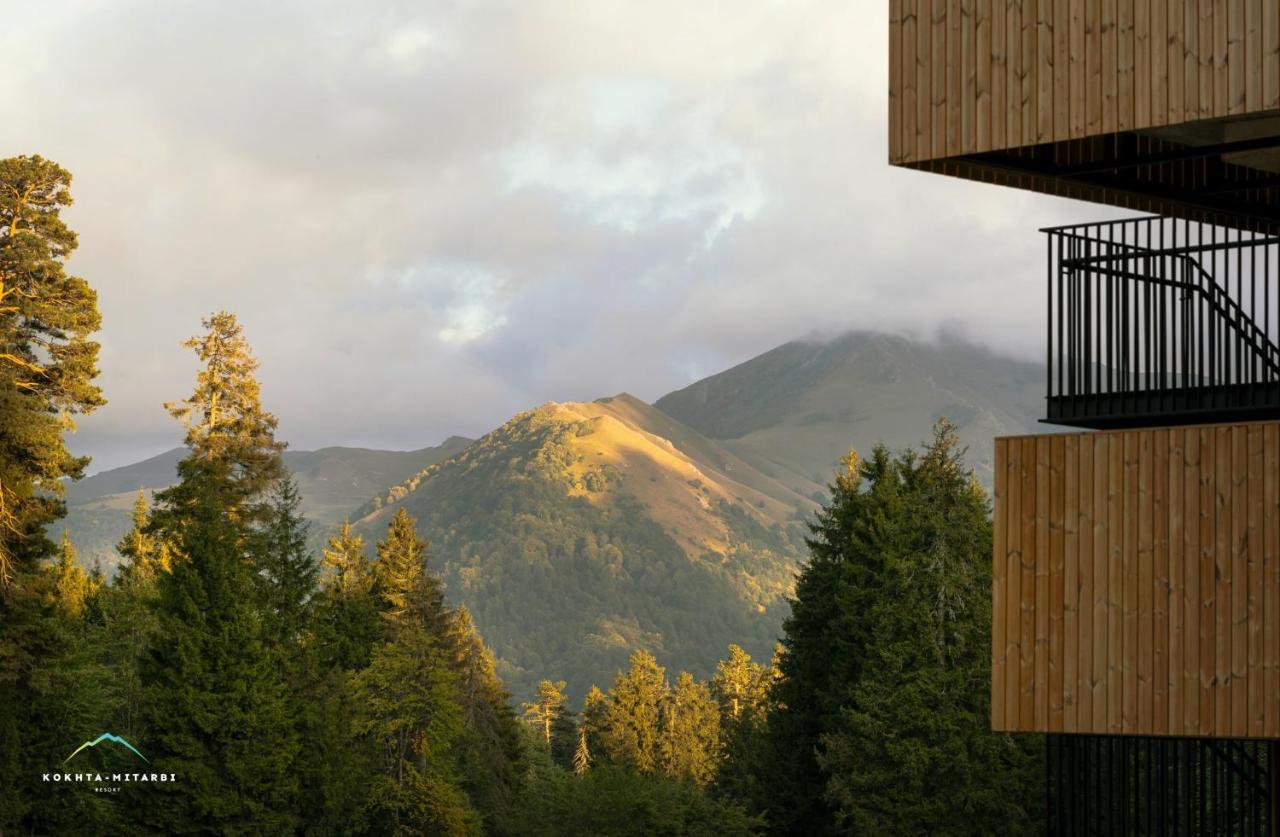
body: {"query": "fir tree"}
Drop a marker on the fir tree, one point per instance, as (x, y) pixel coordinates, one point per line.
(142, 554)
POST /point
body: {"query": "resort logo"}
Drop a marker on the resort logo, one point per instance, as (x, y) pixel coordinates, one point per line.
(106, 736)
(106, 781)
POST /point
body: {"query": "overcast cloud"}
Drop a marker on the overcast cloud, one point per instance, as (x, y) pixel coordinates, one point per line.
(431, 215)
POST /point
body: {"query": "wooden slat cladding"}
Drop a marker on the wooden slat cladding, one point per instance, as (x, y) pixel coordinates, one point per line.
(1136, 582)
(972, 76)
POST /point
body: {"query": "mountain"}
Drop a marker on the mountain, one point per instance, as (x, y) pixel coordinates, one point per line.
(796, 409)
(576, 533)
(332, 482)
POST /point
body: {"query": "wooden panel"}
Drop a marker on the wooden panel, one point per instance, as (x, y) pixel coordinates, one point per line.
(1159, 583)
(983, 56)
(1271, 579)
(955, 73)
(1115, 582)
(1136, 582)
(1158, 64)
(1191, 603)
(972, 76)
(1101, 560)
(1176, 542)
(999, 566)
(1027, 619)
(1208, 572)
(1270, 56)
(895, 81)
(1084, 596)
(1255, 724)
(1041, 598)
(1076, 61)
(1013, 608)
(999, 73)
(1142, 81)
(1070, 579)
(1057, 503)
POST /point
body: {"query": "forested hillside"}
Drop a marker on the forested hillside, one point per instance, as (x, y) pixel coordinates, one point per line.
(576, 533)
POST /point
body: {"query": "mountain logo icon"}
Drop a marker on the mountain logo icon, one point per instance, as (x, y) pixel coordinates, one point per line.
(107, 736)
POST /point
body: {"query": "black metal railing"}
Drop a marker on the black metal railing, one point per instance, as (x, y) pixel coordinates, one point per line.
(1162, 321)
(1105, 784)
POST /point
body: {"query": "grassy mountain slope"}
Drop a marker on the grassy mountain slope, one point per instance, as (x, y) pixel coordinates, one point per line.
(578, 532)
(332, 482)
(798, 408)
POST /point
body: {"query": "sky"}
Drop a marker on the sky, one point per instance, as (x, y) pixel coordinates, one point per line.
(431, 215)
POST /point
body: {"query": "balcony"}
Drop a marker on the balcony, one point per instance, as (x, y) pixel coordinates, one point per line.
(1161, 321)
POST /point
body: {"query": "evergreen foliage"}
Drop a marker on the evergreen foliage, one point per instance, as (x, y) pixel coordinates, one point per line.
(881, 716)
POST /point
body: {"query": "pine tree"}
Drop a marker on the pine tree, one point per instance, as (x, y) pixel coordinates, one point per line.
(230, 436)
(344, 565)
(546, 709)
(47, 367)
(581, 755)
(690, 744)
(47, 362)
(632, 725)
(595, 720)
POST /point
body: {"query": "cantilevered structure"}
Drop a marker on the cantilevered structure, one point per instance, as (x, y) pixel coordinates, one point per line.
(1136, 594)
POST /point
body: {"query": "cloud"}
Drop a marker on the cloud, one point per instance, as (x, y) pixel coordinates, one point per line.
(431, 215)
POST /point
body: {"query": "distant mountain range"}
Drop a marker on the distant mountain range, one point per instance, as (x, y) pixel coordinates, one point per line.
(332, 483)
(578, 532)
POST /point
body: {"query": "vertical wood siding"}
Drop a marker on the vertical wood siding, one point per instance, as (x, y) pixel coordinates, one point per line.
(970, 76)
(1136, 582)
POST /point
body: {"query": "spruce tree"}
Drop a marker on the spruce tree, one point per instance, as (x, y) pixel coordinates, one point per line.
(881, 717)
(70, 581)
(408, 698)
(142, 554)
(690, 744)
(633, 721)
(287, 574)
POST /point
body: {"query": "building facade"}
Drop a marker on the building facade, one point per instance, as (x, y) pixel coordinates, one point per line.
(1136, 593)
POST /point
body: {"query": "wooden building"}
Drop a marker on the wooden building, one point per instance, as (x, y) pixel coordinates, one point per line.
(1136, 569)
